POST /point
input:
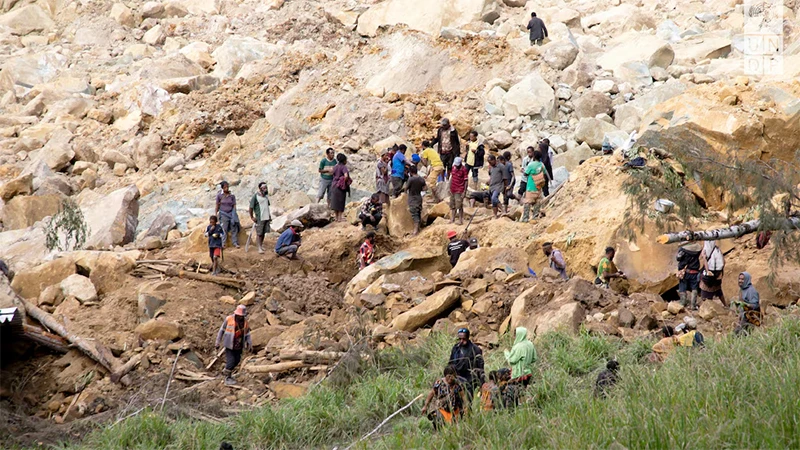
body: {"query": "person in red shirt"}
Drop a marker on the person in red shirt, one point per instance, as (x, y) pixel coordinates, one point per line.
(366, 254)
(459, 177)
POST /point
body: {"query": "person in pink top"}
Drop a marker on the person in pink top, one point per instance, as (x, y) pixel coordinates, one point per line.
(459, 177)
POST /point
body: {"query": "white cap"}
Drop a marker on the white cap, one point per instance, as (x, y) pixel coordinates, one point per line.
(296, 223)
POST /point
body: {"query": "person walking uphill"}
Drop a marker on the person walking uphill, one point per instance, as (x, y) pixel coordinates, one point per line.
(537, 30)
(449, 144)
(226, 211)
(234, 334)
(260, 215)
(467, 359)
(341, 186)
(289, 241)
(749, 305)
(326, 176)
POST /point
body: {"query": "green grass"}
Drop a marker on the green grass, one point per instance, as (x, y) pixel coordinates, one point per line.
(735, 393)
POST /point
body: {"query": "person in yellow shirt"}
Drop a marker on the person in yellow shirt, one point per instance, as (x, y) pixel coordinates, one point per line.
(475, 154)
(690, 337)
(433, 161)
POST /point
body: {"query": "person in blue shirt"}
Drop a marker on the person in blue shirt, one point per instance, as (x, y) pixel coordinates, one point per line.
(289, 241)
(399, 164)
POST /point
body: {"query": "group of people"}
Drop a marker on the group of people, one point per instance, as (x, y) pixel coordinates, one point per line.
(451, 396)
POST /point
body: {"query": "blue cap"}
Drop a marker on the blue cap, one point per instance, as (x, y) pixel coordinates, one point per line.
(415, 158)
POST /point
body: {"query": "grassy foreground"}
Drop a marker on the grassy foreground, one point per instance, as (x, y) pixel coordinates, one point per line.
(735, 393)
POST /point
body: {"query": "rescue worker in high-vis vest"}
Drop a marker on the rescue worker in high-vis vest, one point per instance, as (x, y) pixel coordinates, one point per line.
(234, 334)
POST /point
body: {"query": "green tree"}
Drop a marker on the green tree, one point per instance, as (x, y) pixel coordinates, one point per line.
(67, 229)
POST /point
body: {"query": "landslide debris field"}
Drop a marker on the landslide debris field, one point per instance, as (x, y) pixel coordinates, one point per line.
(134, 111)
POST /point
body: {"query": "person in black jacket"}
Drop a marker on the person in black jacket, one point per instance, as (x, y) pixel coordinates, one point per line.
(538, 30)
(689, 274)
(467, 359)
(544, 148)
(449, 145)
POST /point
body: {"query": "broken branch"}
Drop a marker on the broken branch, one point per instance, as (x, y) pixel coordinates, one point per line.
(790, 224)
(275, 368)
(224, 281)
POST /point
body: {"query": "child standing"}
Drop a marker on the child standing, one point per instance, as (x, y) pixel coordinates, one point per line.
(216, 236)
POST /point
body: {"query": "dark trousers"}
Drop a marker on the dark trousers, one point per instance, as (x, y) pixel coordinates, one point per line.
(548, 166)
(365, 220)
(232, 358)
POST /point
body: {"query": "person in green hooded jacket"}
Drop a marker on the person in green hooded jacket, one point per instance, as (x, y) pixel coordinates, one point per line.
(521, 357)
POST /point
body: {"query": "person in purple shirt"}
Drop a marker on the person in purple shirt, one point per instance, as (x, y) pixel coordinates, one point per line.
(226, 211)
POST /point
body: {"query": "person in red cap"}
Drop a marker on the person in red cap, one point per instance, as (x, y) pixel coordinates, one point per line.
(234, 334)
(455, 247)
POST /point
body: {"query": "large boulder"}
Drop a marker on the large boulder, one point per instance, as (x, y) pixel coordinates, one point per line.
(22, 185)
(573, 157)
(163, 224)
(159, 330)
(428, 310)
(312, 215)
(628, 116)
(696, 48)
(532, 96)
(398, 218)
(107, 270)
(26, 20)
(30, 283)
(23, 211)
(559, 56)
(31, 69)
(80, 287)
(428, 17)
(592, 131)
(58, 152)
(237, 50)
(397, 262)
(637, 47)
(592, 103)
(148, 151)
(112, 218)
(485, 260)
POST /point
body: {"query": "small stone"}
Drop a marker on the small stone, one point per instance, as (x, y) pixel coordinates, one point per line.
(248, 299)
(228, 299)
(674, 308)
(119, 169)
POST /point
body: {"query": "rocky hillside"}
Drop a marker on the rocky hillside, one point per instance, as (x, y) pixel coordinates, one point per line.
(136, 110)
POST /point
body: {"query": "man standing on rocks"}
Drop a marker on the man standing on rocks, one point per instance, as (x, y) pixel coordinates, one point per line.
(556, 259)
(467, 359)
(458, 190)
(416, 184)
(689, 274)
(326, 175)
(226, 211)
(234, 334)
(475, 154)
(497, 183)
(216, 240)
(449, 144)
(398, 172)
(537, 29)
(259, 213)
(455, 247)
(289, 241)
(382, 179)
(435, 168)
(544, 148)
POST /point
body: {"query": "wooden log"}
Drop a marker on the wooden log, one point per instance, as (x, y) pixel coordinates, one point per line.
(275, 368)
(310, 356)
(792, 223)
(45, 339)
(224, 281)
(219, 353)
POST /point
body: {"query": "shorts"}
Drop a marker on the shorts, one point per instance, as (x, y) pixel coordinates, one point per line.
(690, 282)
(496, 196)
(262, 227)
(214, 252)
(456, 201)
(324, 188)
(447, 160)
(416, 213)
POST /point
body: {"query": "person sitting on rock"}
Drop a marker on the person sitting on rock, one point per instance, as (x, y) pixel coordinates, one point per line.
(606, 379)
(607, 270)
(289, 241)
(216, 237)
(371, 212)
(234, 334)
(449, 397)
(366, 253)
(455, 247)
(556, 259)
(467, 359)
(749, 305)
(665, 346)
(690, 337)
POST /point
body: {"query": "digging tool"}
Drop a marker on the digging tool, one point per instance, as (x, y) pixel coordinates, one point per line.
(463, 236)
(249, 238)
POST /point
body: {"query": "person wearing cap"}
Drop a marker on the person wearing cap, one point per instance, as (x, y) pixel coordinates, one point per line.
(448, 142)
(366, 253)
(430, 158)
(606, 379)
(690, 337)
(226, 211)
(467, 359)
(289, 241)
(556, 259)
(473, 244)
(689, 274)
(259, 213)
(455, 247)
(459, 177)
(234, 335)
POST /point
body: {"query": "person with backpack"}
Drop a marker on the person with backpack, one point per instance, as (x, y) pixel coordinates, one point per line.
(689, 275)
(341, 186)
(712, 266)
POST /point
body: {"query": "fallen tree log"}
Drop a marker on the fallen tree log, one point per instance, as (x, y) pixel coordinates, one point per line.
(224, 281)
(792, 223)
(45, 339)
(275, 368)
(310, 356)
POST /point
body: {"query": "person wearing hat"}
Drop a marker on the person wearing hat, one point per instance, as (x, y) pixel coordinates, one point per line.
(234, 335)
(473, 244)
(289, 241)
(467, 359)
(449, 144)
(226, 211)
(259, 213)
(689, 274)
(430, 158)
(459, 177)
(690, 337)
(455, 247)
